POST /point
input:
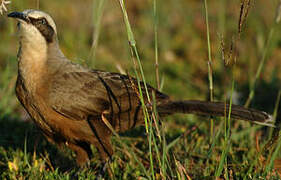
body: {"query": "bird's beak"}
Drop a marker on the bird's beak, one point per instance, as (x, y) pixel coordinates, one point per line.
(19, 15)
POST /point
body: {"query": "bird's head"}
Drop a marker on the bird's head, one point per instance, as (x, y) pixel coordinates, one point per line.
(36, 26)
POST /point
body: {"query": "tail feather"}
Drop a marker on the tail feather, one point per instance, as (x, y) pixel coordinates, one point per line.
(215, 109)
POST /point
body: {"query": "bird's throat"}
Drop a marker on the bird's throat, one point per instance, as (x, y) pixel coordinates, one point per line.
(32, 63)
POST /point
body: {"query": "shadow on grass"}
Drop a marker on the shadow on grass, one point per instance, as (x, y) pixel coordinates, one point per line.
(265, 94)
(16, 135)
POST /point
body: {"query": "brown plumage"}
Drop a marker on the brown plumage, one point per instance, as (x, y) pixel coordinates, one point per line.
(67, 101)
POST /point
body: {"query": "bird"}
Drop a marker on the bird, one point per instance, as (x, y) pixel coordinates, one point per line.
(68, 101)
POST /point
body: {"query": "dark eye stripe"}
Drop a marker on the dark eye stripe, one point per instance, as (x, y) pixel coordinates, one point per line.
(38, 21)
(45, 29)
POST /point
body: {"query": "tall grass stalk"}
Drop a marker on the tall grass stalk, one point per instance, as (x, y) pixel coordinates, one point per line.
(227, 143)
(264, 55)
(135, 54)
(164, 154)
(274, 131)
(155, 14)
(260, 68)
(227, 129)
(25, 151)
(148, 118)
(277, 104)
(138, 66)
(155, 17)
(210, 73)
(98, 9)
(150, 149)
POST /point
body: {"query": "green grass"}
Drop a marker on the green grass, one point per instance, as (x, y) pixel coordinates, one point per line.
(168, 44)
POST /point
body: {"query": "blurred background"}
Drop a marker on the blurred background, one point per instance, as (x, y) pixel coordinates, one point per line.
(182, 43)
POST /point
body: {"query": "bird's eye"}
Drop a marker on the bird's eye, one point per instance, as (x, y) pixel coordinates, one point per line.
(43, 21)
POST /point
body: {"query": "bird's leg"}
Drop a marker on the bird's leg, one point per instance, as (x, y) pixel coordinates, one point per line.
(102, 141)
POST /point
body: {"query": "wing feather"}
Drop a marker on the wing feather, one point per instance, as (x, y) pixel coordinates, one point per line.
(76, 95)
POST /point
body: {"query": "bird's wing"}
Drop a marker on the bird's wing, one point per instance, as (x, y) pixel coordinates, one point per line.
(77, 95)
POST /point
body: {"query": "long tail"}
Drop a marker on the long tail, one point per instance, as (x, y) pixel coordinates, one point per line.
(215, 109)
